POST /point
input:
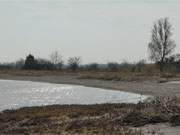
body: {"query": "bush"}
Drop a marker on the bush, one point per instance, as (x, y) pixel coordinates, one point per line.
(30, 62)
(112, 66)
(74, 63)
(92, 66)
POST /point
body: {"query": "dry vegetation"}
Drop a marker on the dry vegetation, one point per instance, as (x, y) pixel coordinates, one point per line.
(118, 76)
(121, 119)
(148, 73)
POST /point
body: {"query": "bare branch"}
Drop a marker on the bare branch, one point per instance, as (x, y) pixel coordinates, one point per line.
(161, 45)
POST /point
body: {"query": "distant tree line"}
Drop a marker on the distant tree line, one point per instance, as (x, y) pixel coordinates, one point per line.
(160, 48)
(54, 63)
(74, 64)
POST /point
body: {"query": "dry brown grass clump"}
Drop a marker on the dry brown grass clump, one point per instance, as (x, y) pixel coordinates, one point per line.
(121, 119)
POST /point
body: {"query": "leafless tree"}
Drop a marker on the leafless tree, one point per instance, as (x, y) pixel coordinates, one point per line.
(74, 62)
(56, 59)
(161, 45)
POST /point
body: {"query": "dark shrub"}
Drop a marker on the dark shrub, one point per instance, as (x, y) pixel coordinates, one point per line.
(30, 62)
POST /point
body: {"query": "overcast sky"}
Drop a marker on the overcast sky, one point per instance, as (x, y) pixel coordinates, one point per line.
(96, 30)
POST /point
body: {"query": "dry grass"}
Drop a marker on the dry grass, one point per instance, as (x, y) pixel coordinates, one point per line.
(117, 76)
(121, 119)
(33, 73)
(147, 74)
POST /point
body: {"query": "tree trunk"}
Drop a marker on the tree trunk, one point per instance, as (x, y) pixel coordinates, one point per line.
(162, 67)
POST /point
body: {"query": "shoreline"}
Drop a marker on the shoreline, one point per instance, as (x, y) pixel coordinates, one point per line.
(151, 88)
(71, 84)
(83, 119)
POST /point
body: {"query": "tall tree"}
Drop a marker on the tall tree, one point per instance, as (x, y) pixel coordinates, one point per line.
(161, 45)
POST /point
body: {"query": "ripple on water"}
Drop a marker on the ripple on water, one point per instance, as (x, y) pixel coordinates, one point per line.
(15, 94)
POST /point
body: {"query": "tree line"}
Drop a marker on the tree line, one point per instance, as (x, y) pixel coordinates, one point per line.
(160, 49)
(55, 63)
(73, 64)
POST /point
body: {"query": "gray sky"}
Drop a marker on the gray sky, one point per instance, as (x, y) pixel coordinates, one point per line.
(96, 30)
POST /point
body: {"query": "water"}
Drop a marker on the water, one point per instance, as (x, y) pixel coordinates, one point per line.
(16, 94)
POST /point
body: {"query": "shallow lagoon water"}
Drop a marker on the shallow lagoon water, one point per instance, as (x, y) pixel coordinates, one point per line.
(16, 94)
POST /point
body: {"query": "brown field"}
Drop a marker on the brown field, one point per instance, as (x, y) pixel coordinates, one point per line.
(123, 75)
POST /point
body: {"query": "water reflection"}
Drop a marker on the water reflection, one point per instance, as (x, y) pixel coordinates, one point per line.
(15, 94)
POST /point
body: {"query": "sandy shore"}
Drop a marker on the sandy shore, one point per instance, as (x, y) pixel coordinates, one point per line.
(146, 88)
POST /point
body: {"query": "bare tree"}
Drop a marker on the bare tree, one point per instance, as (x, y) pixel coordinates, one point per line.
(74, 62)
(161, 45)
(56, 59)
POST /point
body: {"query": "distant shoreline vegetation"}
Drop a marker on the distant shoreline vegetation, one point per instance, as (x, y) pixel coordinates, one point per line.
(56, 63)
(160, 49)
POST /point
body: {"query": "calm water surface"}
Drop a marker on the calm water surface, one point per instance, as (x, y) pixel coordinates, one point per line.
(16, 94)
